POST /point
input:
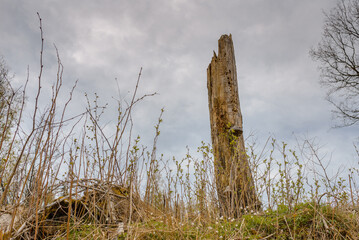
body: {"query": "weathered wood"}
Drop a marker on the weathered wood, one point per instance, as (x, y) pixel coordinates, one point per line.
(232, 173)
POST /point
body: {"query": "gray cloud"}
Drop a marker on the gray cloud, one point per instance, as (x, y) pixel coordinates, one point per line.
(173, 42)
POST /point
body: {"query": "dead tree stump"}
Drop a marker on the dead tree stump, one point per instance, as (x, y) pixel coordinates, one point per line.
(233, 176)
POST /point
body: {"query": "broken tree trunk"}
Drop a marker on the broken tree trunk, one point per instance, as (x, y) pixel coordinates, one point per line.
(233, 176)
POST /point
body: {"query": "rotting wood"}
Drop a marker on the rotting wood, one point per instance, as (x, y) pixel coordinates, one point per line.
(233, 176)
(95, 203)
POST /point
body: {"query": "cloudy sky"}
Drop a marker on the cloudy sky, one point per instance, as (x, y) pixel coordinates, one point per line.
(101, 42)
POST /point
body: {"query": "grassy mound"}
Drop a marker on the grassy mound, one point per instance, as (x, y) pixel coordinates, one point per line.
(306, 221)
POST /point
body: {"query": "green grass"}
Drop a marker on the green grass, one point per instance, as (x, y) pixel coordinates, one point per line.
(306, 221)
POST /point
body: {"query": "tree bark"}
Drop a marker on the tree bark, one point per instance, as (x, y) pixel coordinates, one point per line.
(235, 186)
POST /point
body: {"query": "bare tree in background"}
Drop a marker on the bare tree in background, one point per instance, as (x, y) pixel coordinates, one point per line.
(338, 54)
(9, 99)
(9, 107)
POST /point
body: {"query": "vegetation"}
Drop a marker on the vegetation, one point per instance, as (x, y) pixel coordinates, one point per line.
(63, 177)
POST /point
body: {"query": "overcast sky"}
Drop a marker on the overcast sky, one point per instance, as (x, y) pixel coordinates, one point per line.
(101, 41)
